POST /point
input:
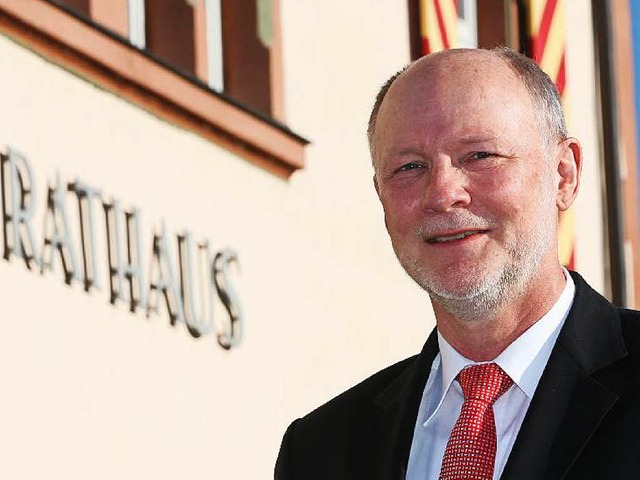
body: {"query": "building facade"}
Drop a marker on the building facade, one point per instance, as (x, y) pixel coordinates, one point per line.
(194, 253)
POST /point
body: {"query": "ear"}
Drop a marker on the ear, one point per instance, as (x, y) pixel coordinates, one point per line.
(569, 164)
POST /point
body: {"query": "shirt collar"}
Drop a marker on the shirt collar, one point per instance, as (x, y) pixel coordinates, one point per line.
(524, 360)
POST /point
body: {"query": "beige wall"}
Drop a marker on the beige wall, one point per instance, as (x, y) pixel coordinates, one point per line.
(582, 115)
(93, 391)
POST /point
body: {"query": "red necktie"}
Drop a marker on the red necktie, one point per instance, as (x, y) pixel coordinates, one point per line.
(471, 449)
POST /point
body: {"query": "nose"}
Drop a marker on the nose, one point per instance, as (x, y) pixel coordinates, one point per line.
(446, 189)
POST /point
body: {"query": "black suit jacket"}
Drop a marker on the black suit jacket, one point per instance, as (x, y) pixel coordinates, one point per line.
(583, 421)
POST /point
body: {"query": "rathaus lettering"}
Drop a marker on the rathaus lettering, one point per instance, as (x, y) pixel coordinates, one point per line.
(189, 284)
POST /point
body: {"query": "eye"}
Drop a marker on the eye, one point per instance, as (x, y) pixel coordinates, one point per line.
(481, 155)
(409, 166)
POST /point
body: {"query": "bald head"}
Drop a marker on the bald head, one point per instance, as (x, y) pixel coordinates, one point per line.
(457, 66)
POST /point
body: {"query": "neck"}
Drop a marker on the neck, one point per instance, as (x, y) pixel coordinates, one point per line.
(484, 336)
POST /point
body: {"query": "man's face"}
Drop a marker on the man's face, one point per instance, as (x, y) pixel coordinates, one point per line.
(467, 186)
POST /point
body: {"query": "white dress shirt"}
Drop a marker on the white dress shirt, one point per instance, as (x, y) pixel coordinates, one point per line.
(524, 361)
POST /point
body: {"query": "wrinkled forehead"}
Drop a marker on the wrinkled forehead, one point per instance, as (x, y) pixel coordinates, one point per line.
(448, 75)
(444, 90)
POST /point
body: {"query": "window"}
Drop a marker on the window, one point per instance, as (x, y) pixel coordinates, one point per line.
(247, 43)
(500, 22)
(169, 32)
(80, 6)
(225, 43)
(212, 66)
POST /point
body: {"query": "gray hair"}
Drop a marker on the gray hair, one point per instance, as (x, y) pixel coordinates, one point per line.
(545, 97)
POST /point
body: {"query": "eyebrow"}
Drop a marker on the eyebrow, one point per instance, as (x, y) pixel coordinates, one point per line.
(477, 139)
(404, 151)
(464, 139)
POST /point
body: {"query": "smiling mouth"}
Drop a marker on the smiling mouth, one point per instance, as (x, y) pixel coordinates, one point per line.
(456, 237)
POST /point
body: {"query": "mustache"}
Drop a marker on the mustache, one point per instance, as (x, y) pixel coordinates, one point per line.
(451, 222)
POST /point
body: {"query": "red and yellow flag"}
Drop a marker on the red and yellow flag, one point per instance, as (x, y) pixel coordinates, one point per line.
(438, 25)
(547, 35)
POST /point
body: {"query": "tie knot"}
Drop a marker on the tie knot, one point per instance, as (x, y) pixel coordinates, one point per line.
(485, 382)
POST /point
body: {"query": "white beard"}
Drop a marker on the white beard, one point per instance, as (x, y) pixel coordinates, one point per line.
(479, 292)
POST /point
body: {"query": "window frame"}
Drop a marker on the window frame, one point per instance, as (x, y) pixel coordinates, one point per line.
(136, 23)
(213, 20)
(468, 27)
(73, 41)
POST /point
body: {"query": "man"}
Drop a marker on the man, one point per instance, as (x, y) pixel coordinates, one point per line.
(530, 374)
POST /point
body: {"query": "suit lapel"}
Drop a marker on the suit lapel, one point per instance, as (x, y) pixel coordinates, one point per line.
(569, 402)
(394, 417)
